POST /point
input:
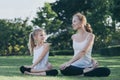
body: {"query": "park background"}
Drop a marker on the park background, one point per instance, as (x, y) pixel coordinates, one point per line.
(55, 18)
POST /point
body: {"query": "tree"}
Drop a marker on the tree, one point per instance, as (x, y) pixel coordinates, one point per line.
(46, 18)
(14, 36)
(116, 10)
(66, 8)
(4, 34)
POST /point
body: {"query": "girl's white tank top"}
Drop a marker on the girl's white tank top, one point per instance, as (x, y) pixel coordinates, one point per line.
(85, 61)
(43, 63)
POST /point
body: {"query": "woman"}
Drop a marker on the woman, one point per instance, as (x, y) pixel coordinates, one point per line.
(83, 40)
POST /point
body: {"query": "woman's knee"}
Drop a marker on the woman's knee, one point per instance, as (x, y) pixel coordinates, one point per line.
(64, 72)
(107, 71)
(71, 70)
(104, 71)
(99, 72)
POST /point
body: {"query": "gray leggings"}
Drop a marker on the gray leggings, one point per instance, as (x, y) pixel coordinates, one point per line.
(98, 72)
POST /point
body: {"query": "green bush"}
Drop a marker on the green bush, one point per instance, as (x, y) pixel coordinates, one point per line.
(61, 52)
(111, 51)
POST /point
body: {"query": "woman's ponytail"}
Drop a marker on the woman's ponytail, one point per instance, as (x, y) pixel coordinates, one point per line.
(88, 28)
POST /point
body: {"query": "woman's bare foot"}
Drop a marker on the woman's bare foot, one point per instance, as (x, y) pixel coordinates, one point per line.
(88, 69)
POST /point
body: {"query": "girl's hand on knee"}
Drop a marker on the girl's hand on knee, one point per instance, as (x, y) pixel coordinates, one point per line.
(95, 63)
(49, 66)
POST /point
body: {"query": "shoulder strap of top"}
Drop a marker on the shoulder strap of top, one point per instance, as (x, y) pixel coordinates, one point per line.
(87, 37)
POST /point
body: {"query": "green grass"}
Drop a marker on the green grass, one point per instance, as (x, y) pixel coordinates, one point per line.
(9, 68)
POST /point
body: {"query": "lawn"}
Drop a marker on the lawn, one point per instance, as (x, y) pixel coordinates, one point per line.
(9, 68)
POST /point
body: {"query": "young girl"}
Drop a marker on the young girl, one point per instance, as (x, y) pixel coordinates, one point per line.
(82, 62)
(40, 51)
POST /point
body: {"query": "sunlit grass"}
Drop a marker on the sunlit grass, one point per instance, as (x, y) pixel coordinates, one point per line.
(9, 68)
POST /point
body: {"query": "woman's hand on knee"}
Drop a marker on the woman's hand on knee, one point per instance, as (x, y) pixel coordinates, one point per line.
(63, 66)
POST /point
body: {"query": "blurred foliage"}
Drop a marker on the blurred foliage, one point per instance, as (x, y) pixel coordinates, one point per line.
(14, 37)
(116, 10)
(55, 18)
(111, 51)
(46, 18)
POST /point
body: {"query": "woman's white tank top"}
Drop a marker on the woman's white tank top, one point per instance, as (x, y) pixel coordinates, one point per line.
(43, 63)
(85, 61)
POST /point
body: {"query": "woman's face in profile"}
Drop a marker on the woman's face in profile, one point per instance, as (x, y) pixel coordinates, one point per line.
(75, 23)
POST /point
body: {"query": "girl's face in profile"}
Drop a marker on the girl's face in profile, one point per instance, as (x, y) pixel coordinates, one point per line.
(40, 37)
(76, 23)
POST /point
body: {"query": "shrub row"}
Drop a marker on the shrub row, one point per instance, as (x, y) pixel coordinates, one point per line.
(111, 51)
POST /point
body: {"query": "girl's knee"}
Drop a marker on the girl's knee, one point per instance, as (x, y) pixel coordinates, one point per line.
(23, 69)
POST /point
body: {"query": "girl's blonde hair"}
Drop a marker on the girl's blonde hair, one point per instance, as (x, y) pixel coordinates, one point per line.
(32, 43)
(83, 20)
